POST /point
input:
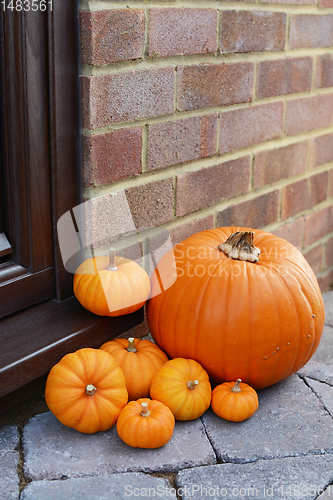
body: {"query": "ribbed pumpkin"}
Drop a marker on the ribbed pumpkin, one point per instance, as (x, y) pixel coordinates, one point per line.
(182, 385)
(139, 359)
(259, 319)
(86, 390)
(111, 286)
(145, 424)
(234, 401)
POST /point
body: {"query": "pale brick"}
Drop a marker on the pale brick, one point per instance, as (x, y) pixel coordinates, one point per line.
(318, 224)
(321, 150)
(304, 194)
(310, 30)
(324, 70)
(309, 113)
(285, 76)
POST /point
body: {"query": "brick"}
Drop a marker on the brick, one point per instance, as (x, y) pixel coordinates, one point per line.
(324, 71)
(329, 253)
(180, 233)
(325, 282)
(318, 224)
(285, 76)
(126, 96)
(275, 164)
(252, 31)
(326, 3)
(315, 258)
(240, 128)
(112, 156)
(310, 30)
(304, 194)
(197, 190)
(209, 85)
(321, 150)
(188, 139)
(151, 204)
(182, 31)
(292, 231)
(255, 213)
(109, 36)
(330, 186)
(309, 113)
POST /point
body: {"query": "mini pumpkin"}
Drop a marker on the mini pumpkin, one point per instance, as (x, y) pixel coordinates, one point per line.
(234, 401)
(139, 359)
(86, 390)
(247, 299)
(111, 286)
(182, 385)
(145, 424)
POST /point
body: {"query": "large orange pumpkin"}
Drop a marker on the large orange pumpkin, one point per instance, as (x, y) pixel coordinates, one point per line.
(259, 319)
(111, 286)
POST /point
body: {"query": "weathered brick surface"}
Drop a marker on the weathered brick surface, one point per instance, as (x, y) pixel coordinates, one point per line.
(252, 31)
(170, 143)
(315, 258)
(329, 253)
(208, 85)
(240, 128)
(304, 194)
(310, 30)
(285, 76)
(321, 150)
(324, 70)
(292, 231)
(185, 230)
(151, 204)
(309, 113)
(255, 213)
(182, 31)
(330, 187)
(318, 224)
(109, 36)
(126, 96)
(325, 282)
(113, 156)
(326, 3)
(196, 190)
(275, 164)
(297, 2)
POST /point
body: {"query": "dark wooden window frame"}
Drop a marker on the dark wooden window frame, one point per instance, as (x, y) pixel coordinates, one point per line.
(52, 322)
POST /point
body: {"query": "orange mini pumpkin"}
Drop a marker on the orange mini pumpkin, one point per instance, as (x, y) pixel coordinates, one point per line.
(182, 385)
(86, 390)
(145, 424)
(111, 286)
(244, 303)
(139, 359)
(234, 401)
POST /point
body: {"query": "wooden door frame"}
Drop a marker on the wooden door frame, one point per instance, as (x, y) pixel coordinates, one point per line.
(34, 339)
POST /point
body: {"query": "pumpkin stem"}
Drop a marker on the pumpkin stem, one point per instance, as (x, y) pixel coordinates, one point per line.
(90, 389)
(240, 246)
(191, 384)
(144, 412)
(112, 260)
(236, 387)
(131, 345)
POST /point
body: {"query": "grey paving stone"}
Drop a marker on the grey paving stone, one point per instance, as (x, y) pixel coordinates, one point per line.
(328, 302)
(53, 451)
(113, 487)
(324, 393)
(294, 477)
(324, 352)
(327, 494)
(290, 421)
(318, 371)
(9, 459)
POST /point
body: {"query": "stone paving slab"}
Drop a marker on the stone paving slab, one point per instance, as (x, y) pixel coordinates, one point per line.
(324, 393)
(290, 421)
(317, 371)
(113, 487)
(9, 459)
(280, 478)
(53, 451)
(324, 352)
(328, 302)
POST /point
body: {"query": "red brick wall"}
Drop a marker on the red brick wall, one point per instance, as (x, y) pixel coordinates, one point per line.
(210, 114)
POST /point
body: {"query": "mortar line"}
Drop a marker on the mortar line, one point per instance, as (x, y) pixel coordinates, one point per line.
(315, 393)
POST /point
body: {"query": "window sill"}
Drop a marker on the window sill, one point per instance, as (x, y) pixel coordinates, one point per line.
(45, 333)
